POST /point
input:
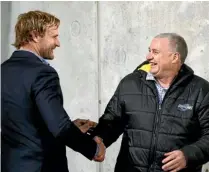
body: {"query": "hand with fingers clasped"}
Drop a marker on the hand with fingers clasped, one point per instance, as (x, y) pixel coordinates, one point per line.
(100, 155)
(174, 161)
(84, 124)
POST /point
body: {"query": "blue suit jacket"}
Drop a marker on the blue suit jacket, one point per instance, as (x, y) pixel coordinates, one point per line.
(35, 126)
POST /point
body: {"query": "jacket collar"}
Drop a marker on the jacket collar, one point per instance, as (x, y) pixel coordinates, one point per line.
(184, 73)
(29, 55)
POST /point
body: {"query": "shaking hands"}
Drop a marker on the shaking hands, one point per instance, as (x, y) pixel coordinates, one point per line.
(84, 125)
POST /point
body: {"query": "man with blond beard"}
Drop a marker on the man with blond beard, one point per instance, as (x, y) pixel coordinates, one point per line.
(35, 126)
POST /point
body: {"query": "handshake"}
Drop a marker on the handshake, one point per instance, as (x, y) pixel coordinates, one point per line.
(85, 126)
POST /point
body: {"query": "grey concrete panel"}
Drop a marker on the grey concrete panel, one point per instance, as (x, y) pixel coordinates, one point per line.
(5, 25)
(126, 30)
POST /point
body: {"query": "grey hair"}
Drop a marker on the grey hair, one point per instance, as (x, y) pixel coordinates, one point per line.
(178, 44)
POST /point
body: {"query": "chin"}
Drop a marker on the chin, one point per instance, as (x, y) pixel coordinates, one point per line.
(50, 57)
(153, 72)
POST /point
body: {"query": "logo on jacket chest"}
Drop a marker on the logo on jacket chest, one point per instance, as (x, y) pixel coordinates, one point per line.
(184, 107)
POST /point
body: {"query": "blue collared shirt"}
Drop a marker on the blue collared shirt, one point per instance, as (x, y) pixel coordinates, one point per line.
(41, 58)
(161, 91)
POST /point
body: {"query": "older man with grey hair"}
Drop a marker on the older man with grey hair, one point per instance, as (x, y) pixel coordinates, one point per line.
(162, 109)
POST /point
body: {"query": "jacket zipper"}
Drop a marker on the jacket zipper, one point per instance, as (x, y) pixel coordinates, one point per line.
(156, 125)
(155, 133)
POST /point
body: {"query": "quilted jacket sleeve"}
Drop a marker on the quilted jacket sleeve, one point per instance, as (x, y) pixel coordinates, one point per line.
(198, 152)
(111, 123)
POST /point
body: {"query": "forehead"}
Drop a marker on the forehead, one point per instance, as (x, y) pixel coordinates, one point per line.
(53, 30)
(160, 43)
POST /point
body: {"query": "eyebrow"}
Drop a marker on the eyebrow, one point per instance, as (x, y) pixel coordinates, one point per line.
(152, 49)
(53, 34)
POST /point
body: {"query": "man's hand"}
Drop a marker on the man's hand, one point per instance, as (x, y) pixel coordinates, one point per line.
(174, 161)
(84, 124)
(102, 149)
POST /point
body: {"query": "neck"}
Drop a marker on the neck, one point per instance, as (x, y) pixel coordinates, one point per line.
(31, 48)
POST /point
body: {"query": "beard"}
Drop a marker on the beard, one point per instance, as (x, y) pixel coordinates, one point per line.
(47, 53)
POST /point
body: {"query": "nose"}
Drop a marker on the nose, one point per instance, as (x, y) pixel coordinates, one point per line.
(58, 43)
(149, 56)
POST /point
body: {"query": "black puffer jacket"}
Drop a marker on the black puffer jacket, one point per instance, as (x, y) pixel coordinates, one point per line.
(148, 131)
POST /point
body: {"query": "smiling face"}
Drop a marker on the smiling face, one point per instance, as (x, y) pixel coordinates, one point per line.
(161, 57)
(48, 43)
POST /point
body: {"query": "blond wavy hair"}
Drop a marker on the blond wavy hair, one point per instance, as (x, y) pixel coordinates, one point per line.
(36, 21)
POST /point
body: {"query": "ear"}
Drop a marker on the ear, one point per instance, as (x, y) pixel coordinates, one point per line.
(176, 57)
(35, 36)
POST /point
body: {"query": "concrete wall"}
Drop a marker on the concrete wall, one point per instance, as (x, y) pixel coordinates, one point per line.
(101, 42)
